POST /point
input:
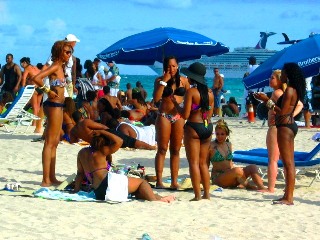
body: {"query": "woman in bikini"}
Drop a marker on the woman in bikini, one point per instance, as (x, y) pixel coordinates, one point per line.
(224, 173)
(92, 163)
(29, 72)
(197, 109)
(271, 140)
(169, 124)
(53, 108)
(140, 107)
(285, 124)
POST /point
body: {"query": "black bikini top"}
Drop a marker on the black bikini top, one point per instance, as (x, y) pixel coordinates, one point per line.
(167, 91)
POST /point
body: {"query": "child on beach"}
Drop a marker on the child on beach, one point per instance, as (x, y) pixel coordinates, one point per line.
(224, 173)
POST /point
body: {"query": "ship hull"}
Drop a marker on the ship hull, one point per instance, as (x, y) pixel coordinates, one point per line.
(232, 65)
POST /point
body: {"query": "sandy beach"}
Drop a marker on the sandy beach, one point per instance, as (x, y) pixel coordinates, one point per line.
(230, 214)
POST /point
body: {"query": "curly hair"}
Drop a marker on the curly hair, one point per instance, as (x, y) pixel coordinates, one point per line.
(98, 142)
(296, 79)
(25, 59)
(70, 106)
(221, 124)
(58, 48)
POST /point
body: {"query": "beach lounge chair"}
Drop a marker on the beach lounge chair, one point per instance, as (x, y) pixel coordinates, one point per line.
(302, 166)
(16, 113)
(298, 156)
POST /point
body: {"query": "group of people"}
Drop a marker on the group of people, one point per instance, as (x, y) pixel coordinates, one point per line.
(183, 106)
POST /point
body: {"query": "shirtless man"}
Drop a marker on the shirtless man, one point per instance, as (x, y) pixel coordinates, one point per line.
(114, 101)
(128, 92)
(217, 91)
(86, 129)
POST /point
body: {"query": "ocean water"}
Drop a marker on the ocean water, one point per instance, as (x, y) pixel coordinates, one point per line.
(233, 86)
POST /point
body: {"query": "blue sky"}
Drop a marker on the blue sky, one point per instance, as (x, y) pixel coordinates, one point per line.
(28, 28)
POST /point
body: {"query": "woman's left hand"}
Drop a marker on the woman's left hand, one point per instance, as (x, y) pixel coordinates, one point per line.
(173, 99)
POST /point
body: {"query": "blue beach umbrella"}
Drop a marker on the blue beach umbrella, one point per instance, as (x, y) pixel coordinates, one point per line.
(147, 47)
(305, 53)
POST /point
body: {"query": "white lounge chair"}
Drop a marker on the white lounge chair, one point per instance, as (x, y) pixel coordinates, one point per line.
(16, 113)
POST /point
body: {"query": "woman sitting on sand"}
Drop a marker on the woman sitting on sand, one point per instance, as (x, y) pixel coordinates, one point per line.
(224, 173)
(92, 163)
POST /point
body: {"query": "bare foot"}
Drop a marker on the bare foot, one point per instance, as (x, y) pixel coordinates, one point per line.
(175, 186)
(38, 130)
(46, 184)
(283, 202)
(205, 197)
(266, 190)
(195, 199)
(56, 182)
(168, 199)
(159, 186)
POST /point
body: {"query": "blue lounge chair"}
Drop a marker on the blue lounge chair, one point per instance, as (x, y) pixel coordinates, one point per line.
(298, 156)
(262, 163)
(15, 112)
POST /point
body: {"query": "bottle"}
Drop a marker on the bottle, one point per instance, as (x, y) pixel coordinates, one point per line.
(146, 236)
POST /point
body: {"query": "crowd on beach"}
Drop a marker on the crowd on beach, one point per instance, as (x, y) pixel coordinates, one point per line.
(180, 114)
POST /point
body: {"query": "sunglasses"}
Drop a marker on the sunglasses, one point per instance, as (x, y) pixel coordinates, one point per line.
(68, 52)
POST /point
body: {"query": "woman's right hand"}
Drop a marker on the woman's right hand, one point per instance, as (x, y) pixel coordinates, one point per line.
(52, 95)
(166, 76)
(261, 96)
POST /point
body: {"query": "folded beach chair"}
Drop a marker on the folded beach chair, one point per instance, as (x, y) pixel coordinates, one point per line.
(298, 156)
(302, 166)
(16, 113)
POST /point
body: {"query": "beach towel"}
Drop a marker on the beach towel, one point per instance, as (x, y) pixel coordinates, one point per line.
(81, 196)
(117, 188)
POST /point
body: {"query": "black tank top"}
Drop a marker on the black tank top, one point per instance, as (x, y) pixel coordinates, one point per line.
(10, 78)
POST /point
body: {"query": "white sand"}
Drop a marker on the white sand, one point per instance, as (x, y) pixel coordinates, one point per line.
(230, 214)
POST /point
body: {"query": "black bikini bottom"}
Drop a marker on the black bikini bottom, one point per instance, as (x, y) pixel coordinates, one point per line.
(128, 142)
(100, 192)
(53, 104)
(293, 126)
(202, 131)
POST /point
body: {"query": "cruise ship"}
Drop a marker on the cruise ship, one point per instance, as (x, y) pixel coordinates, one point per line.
(232, 64)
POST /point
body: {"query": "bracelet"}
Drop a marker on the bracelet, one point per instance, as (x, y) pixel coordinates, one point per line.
(270, 104)
(163, 83)
(45, 88)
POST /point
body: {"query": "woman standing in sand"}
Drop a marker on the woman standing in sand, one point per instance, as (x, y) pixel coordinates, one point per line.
(197, 109)
(92, 163)
(224, 173)
(29, 72)
(286, 126)
(271, 140)
(169, 124)
(53, 107)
